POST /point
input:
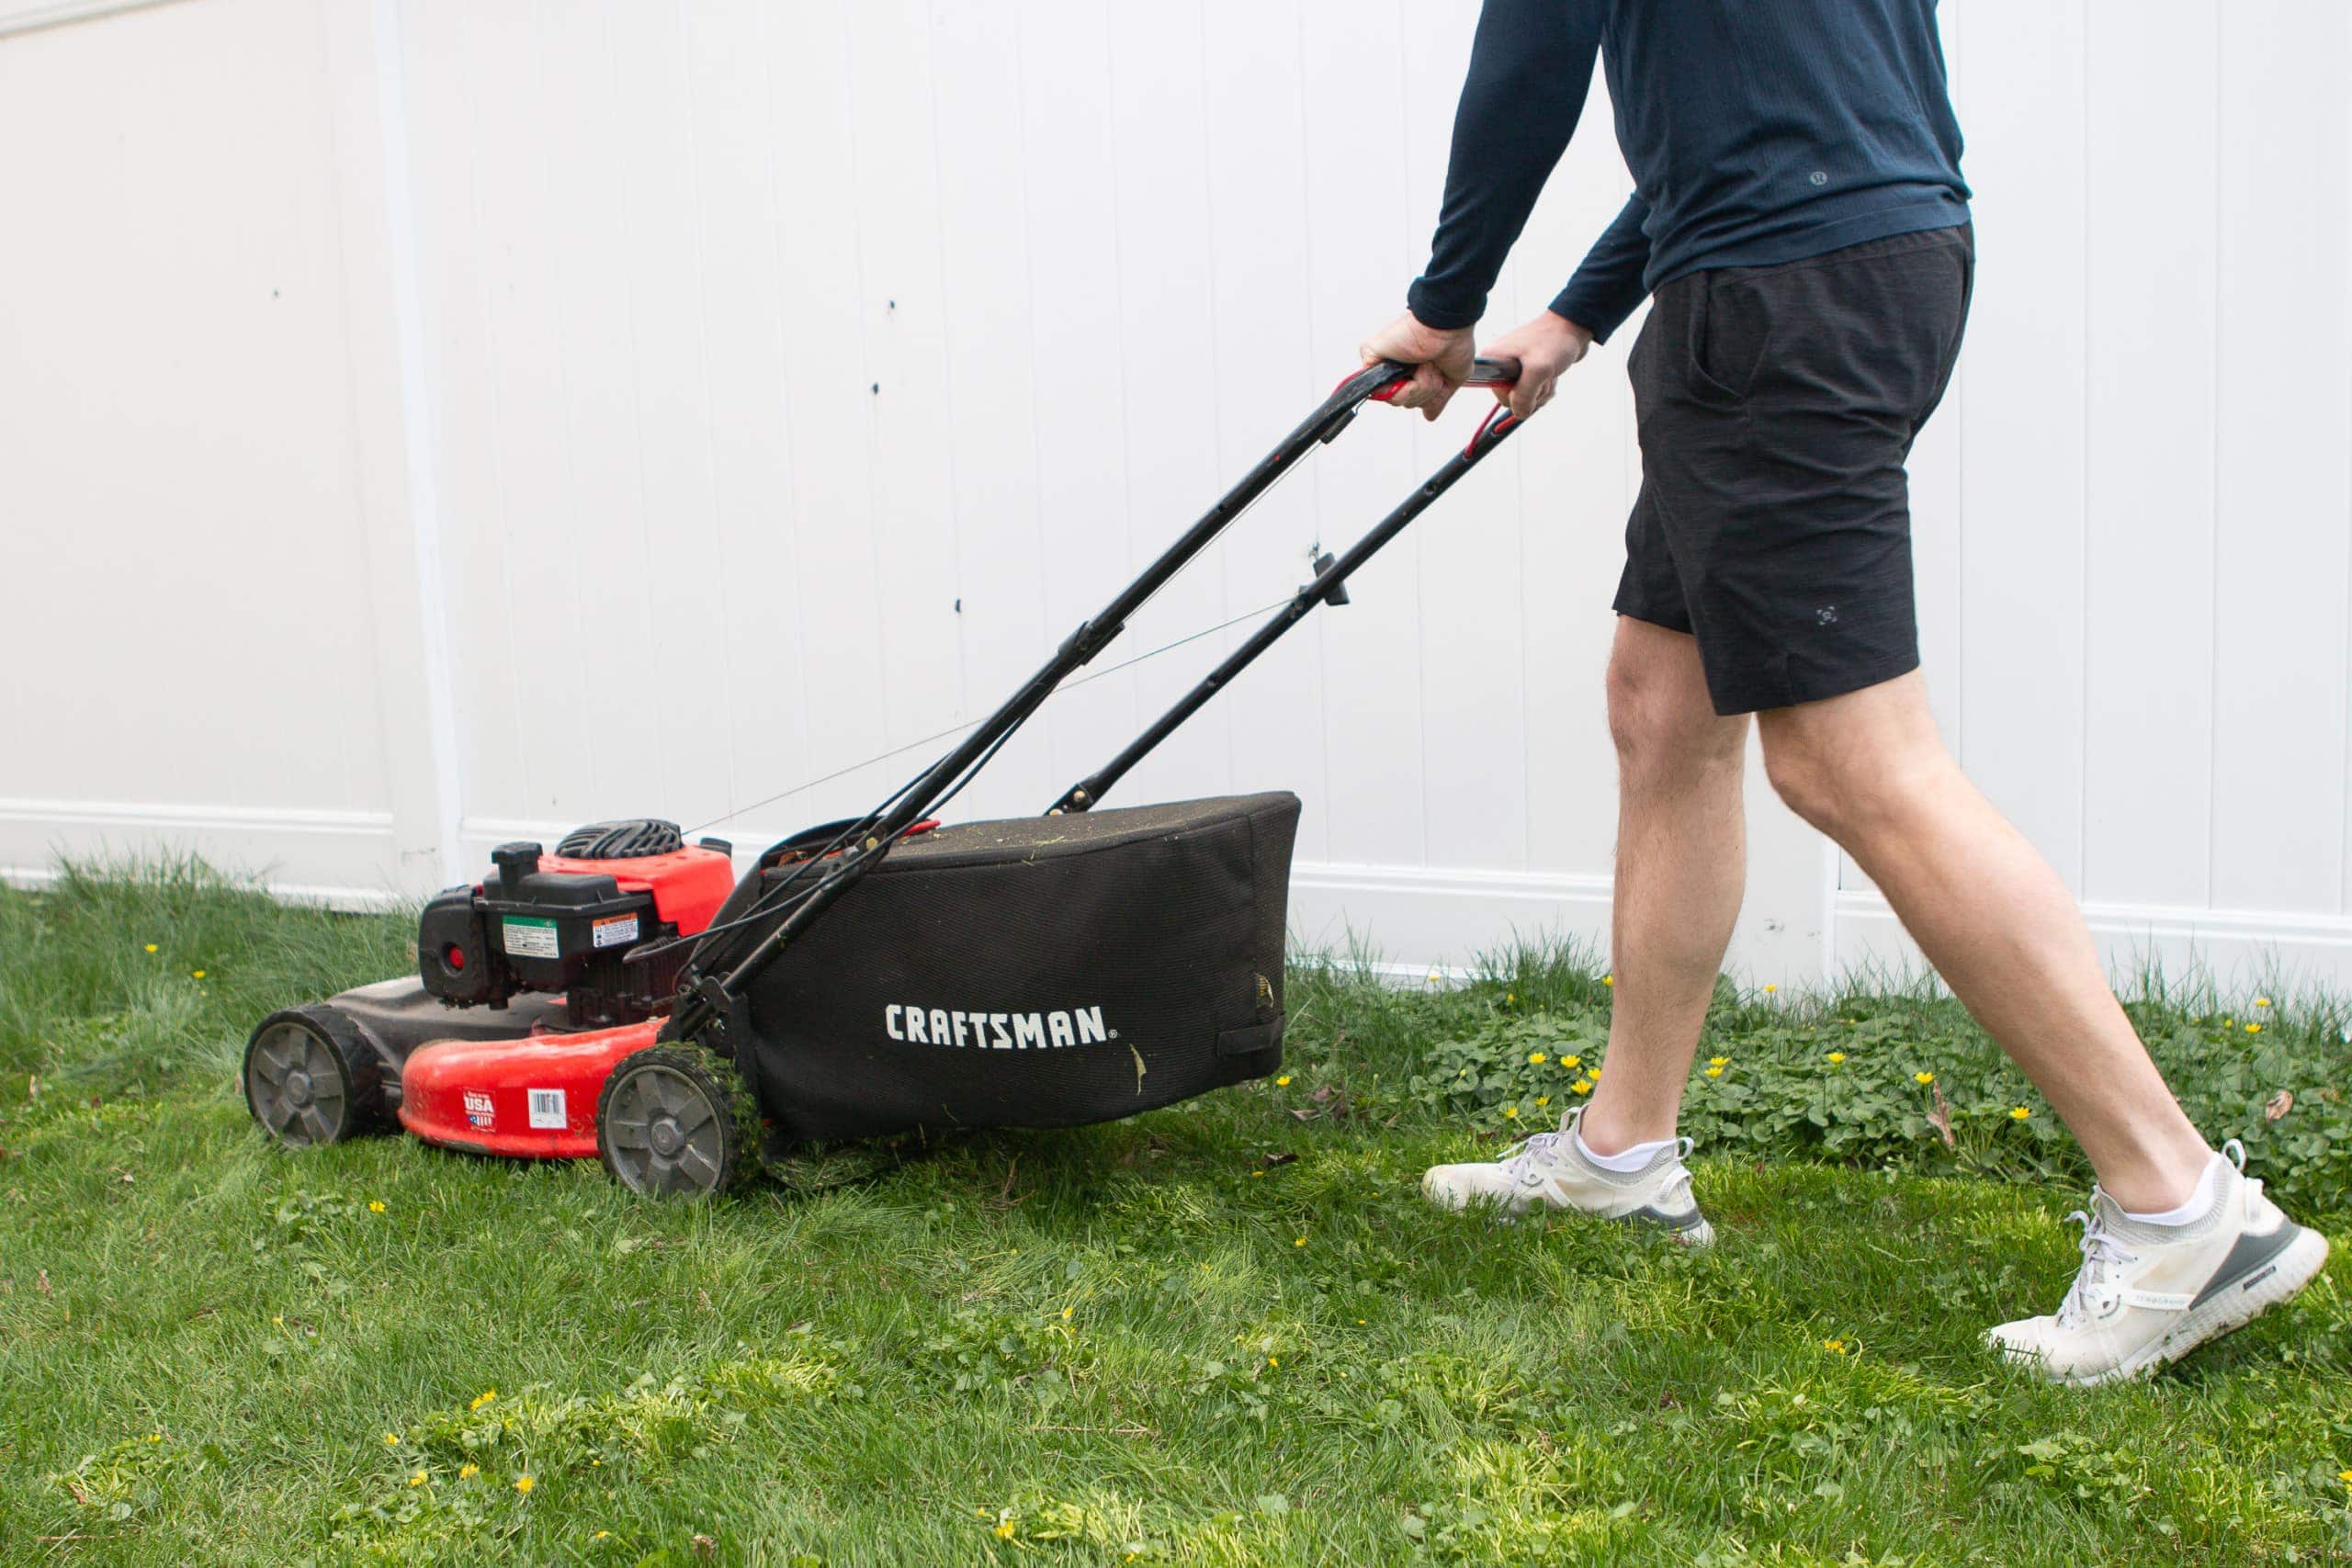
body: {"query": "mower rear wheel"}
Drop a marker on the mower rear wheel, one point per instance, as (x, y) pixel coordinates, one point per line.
(677, 1122)
(310, 1078)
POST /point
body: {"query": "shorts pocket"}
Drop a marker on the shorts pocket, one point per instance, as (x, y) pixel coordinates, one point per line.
(1724, 348)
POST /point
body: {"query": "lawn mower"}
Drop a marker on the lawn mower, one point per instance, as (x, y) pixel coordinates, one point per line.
(628, 997)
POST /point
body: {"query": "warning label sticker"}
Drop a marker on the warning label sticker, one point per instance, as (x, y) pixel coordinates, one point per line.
(614, 929)
(529, 938)
(546, 1108)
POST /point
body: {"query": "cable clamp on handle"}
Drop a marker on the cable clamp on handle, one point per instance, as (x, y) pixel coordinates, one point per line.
(1497, 424)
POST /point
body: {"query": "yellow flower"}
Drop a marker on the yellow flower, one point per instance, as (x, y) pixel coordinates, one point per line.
(1508, 996)
(1593, 1073)
(2019, 1114)
(1581, 1087)
(1542, 1100)
(1836, 1057)
(1510, 1111)
(2254, 1029)
(2262, 1001)
(1923, 1079)
(1714, 1072)
(1253, 1173)
(1066, 1315)
(1535, 1058)
(417, 1480)
(391, 1440)
(1300, 1242)
(1608, 979)
(375, 1206)
(1719, 1061)
(2345, 1476)
(1282, 1082)
(467, 1471)
(484, 1397)
(1273, 1361)
(1834, 1347)
(524, 1483)
(600, 1535)
(154, 1436)
(151, 947)
(1004, 1528)
(1570, 1061)
(195, 974)
(1770, 989)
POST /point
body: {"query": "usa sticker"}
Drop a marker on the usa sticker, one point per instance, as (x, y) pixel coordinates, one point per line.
(614, 930)
(546, 1108)
(528, 938)
(478, 1108)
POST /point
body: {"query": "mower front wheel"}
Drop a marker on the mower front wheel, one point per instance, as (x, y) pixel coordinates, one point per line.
(311, 1078)
(678, 1121)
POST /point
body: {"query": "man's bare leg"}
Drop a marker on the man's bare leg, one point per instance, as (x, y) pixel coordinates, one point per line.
(1869, 770)
(1682, 868)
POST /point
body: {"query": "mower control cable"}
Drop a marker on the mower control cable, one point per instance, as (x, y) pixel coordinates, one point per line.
(708, 988)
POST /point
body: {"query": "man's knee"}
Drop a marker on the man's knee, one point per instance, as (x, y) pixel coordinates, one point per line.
(1659, 718)
(1851, 763)
(1809, 779)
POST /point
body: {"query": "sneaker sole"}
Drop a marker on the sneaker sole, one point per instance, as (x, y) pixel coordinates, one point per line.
(1504, 1210)
(2298, 1265)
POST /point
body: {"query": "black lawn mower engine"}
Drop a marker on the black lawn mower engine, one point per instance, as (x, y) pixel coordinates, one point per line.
(565, 922)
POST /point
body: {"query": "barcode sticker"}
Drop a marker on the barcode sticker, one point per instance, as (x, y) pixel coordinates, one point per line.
(546, 1108)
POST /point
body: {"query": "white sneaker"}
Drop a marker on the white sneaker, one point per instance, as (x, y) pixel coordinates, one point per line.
(2149, 1294)
(1549, 1169)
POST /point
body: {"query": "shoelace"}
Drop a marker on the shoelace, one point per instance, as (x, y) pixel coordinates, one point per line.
(2102, 1251)
(2089, 1294)
(1520, 1160)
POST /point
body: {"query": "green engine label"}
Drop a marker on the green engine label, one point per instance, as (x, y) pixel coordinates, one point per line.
(529, 938)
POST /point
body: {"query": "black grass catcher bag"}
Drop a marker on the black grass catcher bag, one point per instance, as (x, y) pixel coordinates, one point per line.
(1040, 972)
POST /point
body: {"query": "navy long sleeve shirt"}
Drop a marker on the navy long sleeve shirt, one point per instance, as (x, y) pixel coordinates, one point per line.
(1757, 131)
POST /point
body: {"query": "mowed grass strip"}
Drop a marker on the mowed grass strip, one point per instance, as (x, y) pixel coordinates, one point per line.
(1226, 1333)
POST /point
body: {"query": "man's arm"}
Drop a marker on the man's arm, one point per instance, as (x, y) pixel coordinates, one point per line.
(1607, 287)
(1531, 68)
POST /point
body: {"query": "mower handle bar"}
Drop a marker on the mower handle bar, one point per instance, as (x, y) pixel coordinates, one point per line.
(1502, 371)
(713, 982)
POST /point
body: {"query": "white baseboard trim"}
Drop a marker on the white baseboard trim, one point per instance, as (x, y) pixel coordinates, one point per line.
(345, 860)
(1413, 921)
(2234, 949)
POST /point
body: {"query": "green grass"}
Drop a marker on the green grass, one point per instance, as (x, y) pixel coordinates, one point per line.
(1220, 1333)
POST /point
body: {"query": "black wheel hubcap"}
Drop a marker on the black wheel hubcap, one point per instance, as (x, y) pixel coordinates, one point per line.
(663, 1133)
(295, 1086)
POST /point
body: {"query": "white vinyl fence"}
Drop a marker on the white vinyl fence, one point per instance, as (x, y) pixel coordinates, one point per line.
(428, 422)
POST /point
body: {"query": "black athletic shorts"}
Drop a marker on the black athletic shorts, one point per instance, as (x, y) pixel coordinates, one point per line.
(1777, 406)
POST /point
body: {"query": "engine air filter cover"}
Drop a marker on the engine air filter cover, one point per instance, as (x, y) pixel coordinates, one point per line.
(634, 838)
